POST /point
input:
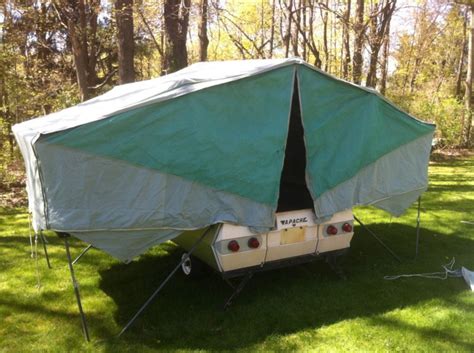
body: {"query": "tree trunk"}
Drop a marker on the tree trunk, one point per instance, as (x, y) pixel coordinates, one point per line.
(287, 37)
(384, 64)
(90, 41)
(295, 36)
(461, 59)
(311, 41)
(272, 30)
(126, 44)
(325, 37)
(303, 25)
(76, 27)
(374, 47)
(379, 26)
(346, 38)
(467, 121)
(359, 29)
(176, 13)
(203, 39)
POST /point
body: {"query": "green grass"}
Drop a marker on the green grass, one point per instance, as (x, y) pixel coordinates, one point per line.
(305, 308)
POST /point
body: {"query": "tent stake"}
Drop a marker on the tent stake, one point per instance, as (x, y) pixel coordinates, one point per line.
(76, 289)
(395, 256)
(43, 240)
(150, 299)
(418, 228)
(83, 252)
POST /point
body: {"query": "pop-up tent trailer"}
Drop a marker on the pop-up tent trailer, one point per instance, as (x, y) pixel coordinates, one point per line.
(230, 143)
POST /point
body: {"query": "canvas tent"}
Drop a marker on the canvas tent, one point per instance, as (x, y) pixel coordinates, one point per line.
(138, 165)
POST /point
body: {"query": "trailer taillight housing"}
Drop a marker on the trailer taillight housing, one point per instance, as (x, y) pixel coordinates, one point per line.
(331, 230)
(347, 227)
(253, 243)
(233, 246)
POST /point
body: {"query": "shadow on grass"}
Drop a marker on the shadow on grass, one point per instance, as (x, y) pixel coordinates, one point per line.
(188, 313)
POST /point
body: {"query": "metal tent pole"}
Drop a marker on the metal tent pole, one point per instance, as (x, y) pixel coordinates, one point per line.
(238, 289)
(83, 252)
(418, 228)
(43, 240)
(395, 256)
(155, 293)
(76, 288)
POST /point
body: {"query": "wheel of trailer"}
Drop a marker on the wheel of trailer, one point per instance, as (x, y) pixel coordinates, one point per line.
(192, 267)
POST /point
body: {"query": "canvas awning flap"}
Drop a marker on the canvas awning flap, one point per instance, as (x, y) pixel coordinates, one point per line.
(361, 149)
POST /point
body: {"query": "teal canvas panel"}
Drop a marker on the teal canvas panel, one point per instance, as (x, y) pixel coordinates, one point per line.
(347, 128)
(230, 137)
(85, 192)
(392, 183)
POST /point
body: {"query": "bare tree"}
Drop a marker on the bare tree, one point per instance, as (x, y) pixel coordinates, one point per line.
(380, 18)
(294, 37)
(304, 8)
(359, 28)
(272, 30)
(176, 15)
(76, 25)
(202, 30)
(324, 17)
(467, 119)
(126, 44)
(287, 36)
(384, 64)
(307, 32)
(462, 57)
(79, 18)
(346, 61)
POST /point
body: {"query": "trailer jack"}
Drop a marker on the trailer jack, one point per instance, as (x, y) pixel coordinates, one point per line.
(237, 289)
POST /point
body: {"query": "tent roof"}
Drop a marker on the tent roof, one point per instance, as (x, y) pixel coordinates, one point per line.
(133, 95)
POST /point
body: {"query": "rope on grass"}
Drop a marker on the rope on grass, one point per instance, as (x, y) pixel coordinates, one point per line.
(447, 273)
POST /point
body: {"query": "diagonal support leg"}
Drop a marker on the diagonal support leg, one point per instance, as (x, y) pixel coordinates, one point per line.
(83, 252)
(76, 289)
(238, 289)
(43, 240)
(390, 251)
(155, 293)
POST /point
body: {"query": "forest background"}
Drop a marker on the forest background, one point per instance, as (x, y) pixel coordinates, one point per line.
(54, 54)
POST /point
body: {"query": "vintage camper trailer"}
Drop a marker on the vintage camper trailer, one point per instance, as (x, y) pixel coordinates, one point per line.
(261, 160)
(233, 142)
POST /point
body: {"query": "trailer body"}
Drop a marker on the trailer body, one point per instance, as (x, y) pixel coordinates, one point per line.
(296, 236)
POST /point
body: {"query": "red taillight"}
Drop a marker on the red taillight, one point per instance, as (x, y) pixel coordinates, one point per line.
(253, 243)
(233, 246)
(331, 230)
(347, 227)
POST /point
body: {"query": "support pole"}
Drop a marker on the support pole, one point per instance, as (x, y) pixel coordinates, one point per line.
(76, 289)
(43, 240)
(155, 293)
(418, 228)
(83, 252)
(391, 252)
(238, 289)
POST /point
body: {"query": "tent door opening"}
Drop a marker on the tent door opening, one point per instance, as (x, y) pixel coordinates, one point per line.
(294, 193)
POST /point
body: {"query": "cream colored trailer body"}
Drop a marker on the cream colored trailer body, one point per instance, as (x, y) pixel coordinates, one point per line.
(295, 236)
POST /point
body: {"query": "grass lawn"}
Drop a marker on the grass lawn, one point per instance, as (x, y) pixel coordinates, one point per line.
(305, 308)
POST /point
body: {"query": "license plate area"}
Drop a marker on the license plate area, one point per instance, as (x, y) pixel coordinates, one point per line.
(292, 235)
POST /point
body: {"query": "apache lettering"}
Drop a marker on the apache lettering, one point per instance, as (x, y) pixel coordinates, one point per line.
(294, 220)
